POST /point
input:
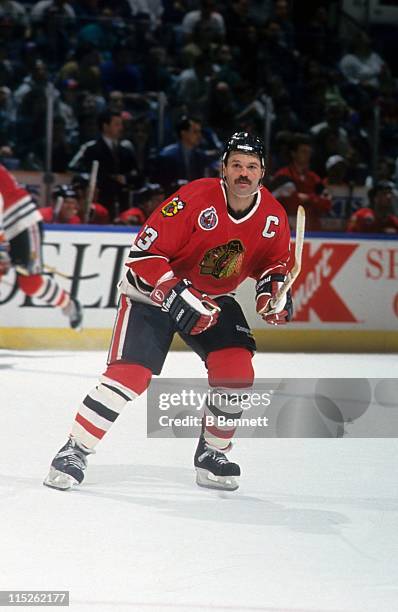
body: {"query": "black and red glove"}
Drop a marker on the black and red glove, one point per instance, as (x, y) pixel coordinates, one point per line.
(192, 311)
(266, 289)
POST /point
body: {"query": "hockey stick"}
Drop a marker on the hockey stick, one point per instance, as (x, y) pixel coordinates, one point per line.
(24, 272)
(57, 207)
(90, 191)
(298, 251)
(51, 270)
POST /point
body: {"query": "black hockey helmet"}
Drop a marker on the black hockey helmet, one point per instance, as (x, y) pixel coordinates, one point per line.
(64, 191)
(245, 143)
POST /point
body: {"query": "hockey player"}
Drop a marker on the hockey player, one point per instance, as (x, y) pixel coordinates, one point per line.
(22, 228)
(182, 271)
(64, 208)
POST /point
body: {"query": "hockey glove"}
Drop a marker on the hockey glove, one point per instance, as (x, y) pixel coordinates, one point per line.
(193, 312)
(5, 261)
(266, 289)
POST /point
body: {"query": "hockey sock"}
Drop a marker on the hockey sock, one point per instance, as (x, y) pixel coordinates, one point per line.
(231, 375)
(120, 383)
(44, 289)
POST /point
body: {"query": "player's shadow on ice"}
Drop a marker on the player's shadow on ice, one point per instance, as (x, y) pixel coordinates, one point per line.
(172, 491)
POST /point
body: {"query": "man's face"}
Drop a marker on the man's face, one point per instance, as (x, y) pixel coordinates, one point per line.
(114, 129)
(193, 135)
(116, 100)
(69, 209)
(243, 173)
(302, 155)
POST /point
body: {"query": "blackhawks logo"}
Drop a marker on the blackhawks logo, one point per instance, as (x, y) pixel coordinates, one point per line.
(224, 260)
(171, 209)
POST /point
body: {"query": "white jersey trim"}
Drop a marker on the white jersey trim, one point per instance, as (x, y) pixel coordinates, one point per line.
(19, 216)
(250, 214)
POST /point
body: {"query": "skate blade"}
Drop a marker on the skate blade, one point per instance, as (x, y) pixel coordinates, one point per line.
(59, 480)
(206, 479)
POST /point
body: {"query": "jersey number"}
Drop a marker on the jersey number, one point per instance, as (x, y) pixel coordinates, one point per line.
(271, 219)
(147, 238)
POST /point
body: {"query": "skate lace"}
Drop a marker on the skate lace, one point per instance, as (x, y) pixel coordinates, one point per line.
(74, 458)
(216, 455)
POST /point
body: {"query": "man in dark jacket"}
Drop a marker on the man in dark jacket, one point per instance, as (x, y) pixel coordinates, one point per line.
(182, 160)
(117, 169)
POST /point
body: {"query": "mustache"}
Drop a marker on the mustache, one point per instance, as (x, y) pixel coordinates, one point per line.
(244, 180)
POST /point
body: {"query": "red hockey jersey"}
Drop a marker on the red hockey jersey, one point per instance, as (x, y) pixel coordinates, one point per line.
(193, 235)
(365, 221)
(19, 210)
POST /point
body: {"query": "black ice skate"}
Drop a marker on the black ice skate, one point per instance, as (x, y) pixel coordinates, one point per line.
(74, 312)
(67, 467)
(213, 470)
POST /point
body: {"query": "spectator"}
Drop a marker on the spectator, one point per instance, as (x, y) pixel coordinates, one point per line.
(83, 67)
(14, 11)
(260, 10)
(209, 18)
(237, 20)
(362, 66)
(280, 151)
(334, 118)
(138, 130)
(117, 165)
(327, 143)
(193, 86)
(384, 172)
(310, 190)
(283, 18)
(222, 108)
(43, 9)
(183, 159)
(119, 73)
(380, 217)
(37, 78)
(310, 104)
(53, 23)
(224, 69)
(284, 190)
(86, 11)
(286, 119)
(116, 102)
(65, 107)
(7, 117)
(88, 110)
(152, 8)
(274, 58)
(346, 195)
(315, 38)
(156, 73)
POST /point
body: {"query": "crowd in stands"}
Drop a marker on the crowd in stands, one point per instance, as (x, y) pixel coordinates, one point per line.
(152, 89)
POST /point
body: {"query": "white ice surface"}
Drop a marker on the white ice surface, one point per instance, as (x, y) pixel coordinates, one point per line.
(313, 526)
